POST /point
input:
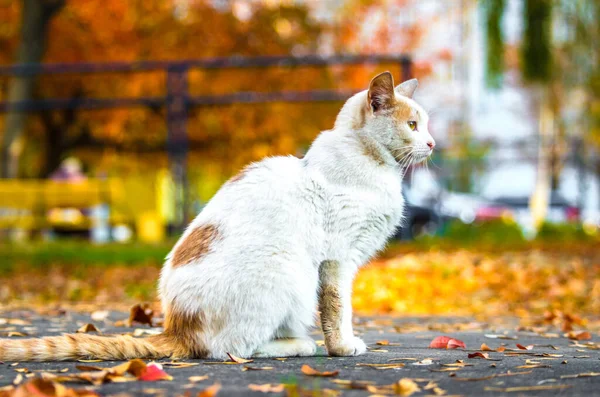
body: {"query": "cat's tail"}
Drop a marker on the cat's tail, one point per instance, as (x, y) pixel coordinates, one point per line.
(85, 346)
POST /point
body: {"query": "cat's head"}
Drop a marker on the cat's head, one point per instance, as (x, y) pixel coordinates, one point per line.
(396, 121)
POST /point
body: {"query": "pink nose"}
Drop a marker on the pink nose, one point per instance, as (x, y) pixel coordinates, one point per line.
(431, 144)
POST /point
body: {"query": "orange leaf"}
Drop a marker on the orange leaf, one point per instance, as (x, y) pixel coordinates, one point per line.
(210, 391)
(238, 360)
(500, 349)
(579, 335)
(88, 328)
(307, 370)
(485, 348)
(153, 373)
(528, 347)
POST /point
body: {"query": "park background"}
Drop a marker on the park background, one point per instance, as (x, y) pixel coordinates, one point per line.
(119, 120)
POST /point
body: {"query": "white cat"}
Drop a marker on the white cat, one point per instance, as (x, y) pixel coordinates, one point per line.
(284, 236)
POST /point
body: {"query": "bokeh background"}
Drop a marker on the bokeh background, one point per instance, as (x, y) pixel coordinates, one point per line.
(120, 119)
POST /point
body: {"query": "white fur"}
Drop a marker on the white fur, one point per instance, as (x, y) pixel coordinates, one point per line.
(286, 216)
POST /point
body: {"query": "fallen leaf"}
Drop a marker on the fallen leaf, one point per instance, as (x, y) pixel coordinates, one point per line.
(353, 384)
(15, 333)
(196, 379)
(378, 351)
(153, 373)
(250, 368)
(579, 335)
(140, 313)
(497, 336)
(446, 342)
(267, 388)
(485, 348)
(528, 366)
(426, 361)
(176, 364)
(528, 347)
(479, 355)
(210, 391)
(307, 370)
(406, 387)
(526, 388)
(383, 342)
(39, 387)
(583, 375)
(238, 360)
(475, 379)
(88, 328)
(381, 366)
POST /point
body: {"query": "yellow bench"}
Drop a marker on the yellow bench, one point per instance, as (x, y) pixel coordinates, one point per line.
(25, 203)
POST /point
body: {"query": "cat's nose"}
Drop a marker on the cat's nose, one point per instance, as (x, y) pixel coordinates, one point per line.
(431, 144)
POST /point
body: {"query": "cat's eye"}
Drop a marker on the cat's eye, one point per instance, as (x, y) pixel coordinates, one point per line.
(412, 125)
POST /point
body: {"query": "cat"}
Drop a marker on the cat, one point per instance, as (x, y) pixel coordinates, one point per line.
(278, 240)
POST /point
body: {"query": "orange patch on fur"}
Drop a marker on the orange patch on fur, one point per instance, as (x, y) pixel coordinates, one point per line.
(181, 332)
(371, 151)
(195, 245)
(402, 111)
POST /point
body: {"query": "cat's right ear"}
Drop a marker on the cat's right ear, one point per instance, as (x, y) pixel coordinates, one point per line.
(381, 92)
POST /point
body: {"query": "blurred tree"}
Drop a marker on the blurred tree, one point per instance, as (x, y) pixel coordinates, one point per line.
(493, 11)
(35, 18)
(113, 30)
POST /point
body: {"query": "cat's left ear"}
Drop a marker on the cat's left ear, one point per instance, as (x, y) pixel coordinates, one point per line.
(407, 88)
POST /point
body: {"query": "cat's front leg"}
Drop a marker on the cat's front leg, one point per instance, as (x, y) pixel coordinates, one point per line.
(336, 310)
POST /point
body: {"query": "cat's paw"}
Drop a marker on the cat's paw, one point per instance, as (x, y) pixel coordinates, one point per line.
(350, 347)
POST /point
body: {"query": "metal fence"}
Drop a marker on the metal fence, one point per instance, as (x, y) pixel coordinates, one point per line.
(178, 100)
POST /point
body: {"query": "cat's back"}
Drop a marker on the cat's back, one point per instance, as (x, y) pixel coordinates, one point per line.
(263, 192)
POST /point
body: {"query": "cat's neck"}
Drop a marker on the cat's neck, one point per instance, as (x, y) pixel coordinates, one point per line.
(350, 157)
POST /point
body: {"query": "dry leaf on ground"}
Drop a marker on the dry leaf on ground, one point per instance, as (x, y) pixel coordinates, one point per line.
(88, 328)
(140, 314)
(579, 335)
(238, 360)
(43, 388)
(307, 370)
(267, 388)
(210, 391)
(528, 347)
(479, 355)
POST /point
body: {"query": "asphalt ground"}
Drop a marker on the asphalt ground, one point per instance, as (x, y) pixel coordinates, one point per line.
(554, 366)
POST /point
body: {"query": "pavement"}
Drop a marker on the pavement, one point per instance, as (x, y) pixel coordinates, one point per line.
(554, 366)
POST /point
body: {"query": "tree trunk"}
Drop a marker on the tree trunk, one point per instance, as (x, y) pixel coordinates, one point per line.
(36, 15)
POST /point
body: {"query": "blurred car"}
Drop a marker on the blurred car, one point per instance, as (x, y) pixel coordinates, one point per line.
(560, 210)
(428, 206)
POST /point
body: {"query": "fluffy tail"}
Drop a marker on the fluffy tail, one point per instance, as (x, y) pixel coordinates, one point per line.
(84, 346)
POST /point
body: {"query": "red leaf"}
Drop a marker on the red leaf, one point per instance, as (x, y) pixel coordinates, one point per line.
(154, 372)
(446, 342)
(439, 342)
(528, 347)
(479, 355)
(456, 343)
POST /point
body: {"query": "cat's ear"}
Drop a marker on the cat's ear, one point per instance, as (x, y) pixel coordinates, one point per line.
(381, 92)
(407, 88)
